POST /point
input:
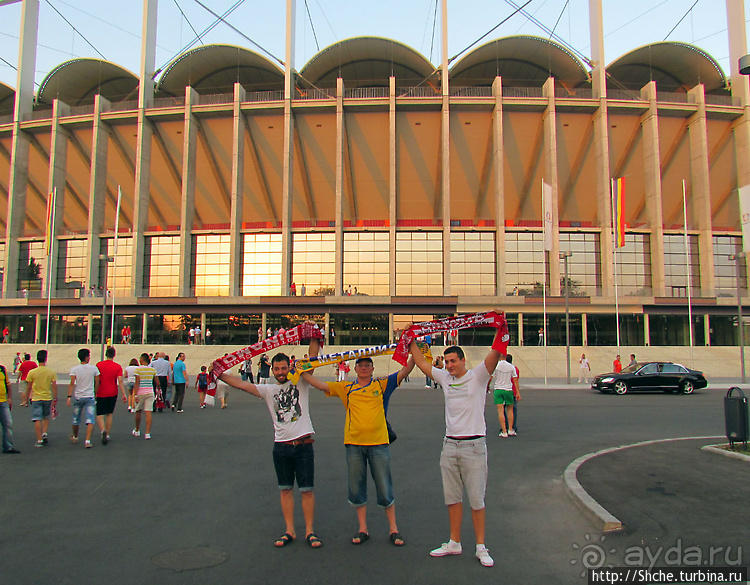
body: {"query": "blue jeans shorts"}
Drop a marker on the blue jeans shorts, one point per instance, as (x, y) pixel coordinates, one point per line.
(88, 406)
(40, 409)
(294, 461)
(379, 458)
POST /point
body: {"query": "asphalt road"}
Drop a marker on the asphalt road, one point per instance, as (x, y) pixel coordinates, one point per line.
(199, 504)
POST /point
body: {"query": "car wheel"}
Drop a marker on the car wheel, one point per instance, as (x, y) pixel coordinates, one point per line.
(687, 387)
(621, 387)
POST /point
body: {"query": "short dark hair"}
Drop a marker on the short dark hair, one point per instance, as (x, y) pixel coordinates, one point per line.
(280, 357)
(83, 353)
(455, 349)
(363, 359)
(146, 357)
(41, 356)
(110, 353)
(27, 356)
(509, 358)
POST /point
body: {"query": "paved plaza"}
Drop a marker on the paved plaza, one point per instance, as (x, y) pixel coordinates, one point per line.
(199, 504)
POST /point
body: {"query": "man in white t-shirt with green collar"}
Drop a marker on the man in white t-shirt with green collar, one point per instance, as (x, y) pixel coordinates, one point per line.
(463, 461)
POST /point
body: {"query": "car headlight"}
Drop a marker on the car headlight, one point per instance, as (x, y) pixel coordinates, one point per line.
(607, 380)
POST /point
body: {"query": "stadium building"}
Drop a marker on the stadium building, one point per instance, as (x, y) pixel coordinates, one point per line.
(382, 189)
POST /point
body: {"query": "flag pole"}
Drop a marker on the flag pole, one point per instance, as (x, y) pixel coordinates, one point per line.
(687, 266)
(615, 233)
(49, 249)
(544, 284)
(114, 264)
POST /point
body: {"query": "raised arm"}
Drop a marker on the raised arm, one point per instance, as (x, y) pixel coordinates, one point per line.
(494, 355)
(406, 370)
(419, 360)
(239, 383)
(314, 382)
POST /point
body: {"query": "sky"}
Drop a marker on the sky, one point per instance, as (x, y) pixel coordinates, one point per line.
(111, 30)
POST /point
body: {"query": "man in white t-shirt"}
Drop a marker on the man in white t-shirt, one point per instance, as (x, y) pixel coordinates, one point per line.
(84, 382)
(585, 369)
(504, 384)
(463, 461)
(293, 455)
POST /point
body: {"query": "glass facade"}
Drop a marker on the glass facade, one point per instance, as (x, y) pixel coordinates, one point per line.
(119, 272)
(210, 265)
(360, 330)
(234, 329)
(170, 329)
(314, 262)
(473, 263)
(524, 263)
(633, 265)
(261, 265)
(584, 265)
(71, 268)
(419, 263)
(674, 330)
(675, 268)
(32, 270)
(601, 330)
(725, 270)
(366, 262)
(162, 266)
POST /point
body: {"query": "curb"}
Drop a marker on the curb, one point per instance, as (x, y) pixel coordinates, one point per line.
(720, 451)
(606, 521)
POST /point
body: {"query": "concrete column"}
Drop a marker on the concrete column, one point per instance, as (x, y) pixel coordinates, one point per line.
(699, 200)
(646, 330)
(144, 336)
(58, 174)
(89, 327)
(187, 214)
(327, 325)
(520, 329)
(584, 330)
(19, 156)
(97, 189)
(339, 205)
(38, 328)
(203, 328)
(141, 192)
(391, 337)
(239, 129)
(652, 185)
(706, 330)
(550, 174)
(497, 160)
(446, 153)
(263, 324)
(596, 36)
(392, 194)
(287, 189)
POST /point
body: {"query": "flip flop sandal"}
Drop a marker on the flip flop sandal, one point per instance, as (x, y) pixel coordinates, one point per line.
(362, 536)
(283, 540)
(313, 540)
(397, 539)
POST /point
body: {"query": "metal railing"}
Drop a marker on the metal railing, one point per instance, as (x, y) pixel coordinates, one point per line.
(523, 92)
(216, 99)
(314, 94)
(367, 92)
(265, 96)
(672, 97)
(624, 94)
(123, 106)
(418, 92)
(480, 92)
(169, 102)
(80, 110)
(580, 93)
(723, 100)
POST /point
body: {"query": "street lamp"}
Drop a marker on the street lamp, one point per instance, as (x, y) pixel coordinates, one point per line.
(564, 256)
(106, 259)
(737, 258)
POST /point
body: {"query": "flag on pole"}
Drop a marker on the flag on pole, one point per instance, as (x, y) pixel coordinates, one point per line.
(745, 216)
(547, 219)
(618, 207)
(49, 235)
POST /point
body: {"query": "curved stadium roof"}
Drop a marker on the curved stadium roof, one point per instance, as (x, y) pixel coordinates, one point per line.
(366, 62)
(522, 61)
(212, 69)
(77, 82)
(675, 67)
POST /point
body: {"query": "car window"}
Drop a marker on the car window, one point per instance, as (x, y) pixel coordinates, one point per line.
(672, 369)
(649, 369)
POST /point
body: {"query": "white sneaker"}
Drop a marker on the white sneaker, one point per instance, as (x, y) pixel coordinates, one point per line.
(147, 436)
(136, 433)
(503, 434)
(484, 556)
(447, 548)
(512, 433)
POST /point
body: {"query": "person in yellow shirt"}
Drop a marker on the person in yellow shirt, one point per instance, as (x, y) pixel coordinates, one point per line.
(6, 421)
(41, 386)
(366, 438)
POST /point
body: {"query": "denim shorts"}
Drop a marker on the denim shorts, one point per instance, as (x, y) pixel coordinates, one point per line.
(294, 461)
(88, 406)
(464, 464)
(379, 458)
(40, 409)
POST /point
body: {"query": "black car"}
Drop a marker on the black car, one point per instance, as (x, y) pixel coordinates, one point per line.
(651, 376)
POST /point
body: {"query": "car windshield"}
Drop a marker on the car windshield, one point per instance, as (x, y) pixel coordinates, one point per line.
(631, 369)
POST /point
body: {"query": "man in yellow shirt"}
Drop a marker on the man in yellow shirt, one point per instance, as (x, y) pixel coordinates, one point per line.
(41, 386)
(366, 437)
(6, 421)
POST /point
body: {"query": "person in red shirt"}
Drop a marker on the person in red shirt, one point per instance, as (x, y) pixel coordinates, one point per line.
(23, 370)
(617, 365)
(110, 385)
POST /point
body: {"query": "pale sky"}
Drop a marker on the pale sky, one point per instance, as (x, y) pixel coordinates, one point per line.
(114, 28)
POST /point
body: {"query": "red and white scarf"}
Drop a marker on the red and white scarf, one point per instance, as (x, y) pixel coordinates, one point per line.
(487, 319)
(289, 337)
